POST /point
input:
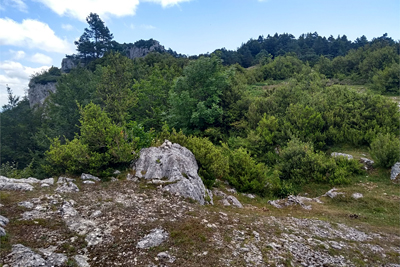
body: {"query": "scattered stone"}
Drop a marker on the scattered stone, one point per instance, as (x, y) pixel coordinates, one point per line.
(165, 257)
(153, 239)
(96, 214)
(81, 260)
(332, 193)
(9, 184)
(89, 182)
(68, 187)
(250, 196)
(26, 204)
(336, 154)
(67, 210)
(219, 193)
(233, 200)
(48, 181)
(22, 256)
(63, 180)
(174, 164)
(131, 177)
(45, 185)
(3, 221)
(368, 163)
(2, 231)
(225, 202)
(357, 195)
(294, 200)
(116, 172)
(113, 179)
(232, 190)
(86, 176)
(395, 172)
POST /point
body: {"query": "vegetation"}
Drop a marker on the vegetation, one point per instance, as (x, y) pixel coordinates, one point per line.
(268, 129)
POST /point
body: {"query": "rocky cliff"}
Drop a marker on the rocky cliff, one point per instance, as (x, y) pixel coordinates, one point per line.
(141, 50)
(38, 92)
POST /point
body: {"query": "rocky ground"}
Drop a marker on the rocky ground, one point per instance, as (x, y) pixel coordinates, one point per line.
(135, 223)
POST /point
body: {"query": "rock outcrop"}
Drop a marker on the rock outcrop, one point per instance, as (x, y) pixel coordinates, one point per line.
(175, 168)
(337, 154)
(138, 52)
(153, 239)
(26, 184)
(38, 92)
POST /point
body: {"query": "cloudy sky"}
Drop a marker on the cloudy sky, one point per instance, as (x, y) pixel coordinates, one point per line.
(36, 34)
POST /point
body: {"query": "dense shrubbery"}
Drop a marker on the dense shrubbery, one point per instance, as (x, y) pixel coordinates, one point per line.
(46, 76)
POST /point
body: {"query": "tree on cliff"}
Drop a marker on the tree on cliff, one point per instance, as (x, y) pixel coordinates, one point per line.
(96, 40)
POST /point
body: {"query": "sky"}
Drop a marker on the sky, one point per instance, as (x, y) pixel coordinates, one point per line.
(37, 34)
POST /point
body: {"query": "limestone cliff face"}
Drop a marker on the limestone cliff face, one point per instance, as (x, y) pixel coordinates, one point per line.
(38, 92)
(137, 52)
(67, 64)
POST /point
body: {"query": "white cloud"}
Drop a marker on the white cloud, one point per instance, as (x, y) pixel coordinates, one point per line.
(17, 54)
(80, 9)
(17, 77)
(132, 26)
(42, 59)
(67, 27)
(18, 4)
(167, 3)
(33, 34)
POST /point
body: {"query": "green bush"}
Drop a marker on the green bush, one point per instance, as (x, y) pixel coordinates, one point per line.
(11, 170)
(300, 164)
(385, 150)
(101, 146)
(246, 175)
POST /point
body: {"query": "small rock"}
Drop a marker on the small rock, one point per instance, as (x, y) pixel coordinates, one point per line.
(89, 182)
(2, 231)
(63, 180)
(116, 172)
(165, 257)
(26, 204)
(96, 214)
(45, 185)
(394, 173)
(48, 181)
(86, 176)
(249, 196)
(67, 187)
(232, 190)
(225, 202)
(367, 162)
(3, 221)
(153, 239)
(357, 195)
(81, 260)
(332, 193)
(336, 154)
(233, 200)
(24, 256)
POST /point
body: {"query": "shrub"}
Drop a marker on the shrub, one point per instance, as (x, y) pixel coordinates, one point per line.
(246, 175)
(11, 170)
(300, 164)
(101, 146)
(385, 150)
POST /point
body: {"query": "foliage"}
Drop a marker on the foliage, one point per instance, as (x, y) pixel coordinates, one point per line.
(300, 164)
(385, 150)
(100, 146)
(96, 40)
(114, 87)
(196, 96)
(46, 76)
(246, 175)
(388, 79)
(11, 170)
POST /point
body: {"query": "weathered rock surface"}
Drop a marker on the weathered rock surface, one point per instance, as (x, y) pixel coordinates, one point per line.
(395, 172)
(3, 221)
(137, 52)
(38, 92)
(294, 200)
(22, 256)
(153, 239)
(332, 193)
(86, 176)
(66, 185)
(9, 184)
(175, 167)
(337, 154)
(357, 195)
(81, 260)
(368, 163)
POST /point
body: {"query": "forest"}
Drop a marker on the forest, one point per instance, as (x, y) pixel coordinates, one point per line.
(265, 117)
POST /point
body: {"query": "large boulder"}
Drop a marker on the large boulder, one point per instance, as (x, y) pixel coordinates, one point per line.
(174, 167)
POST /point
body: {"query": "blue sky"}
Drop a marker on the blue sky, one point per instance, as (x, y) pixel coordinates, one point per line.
(36, 34)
